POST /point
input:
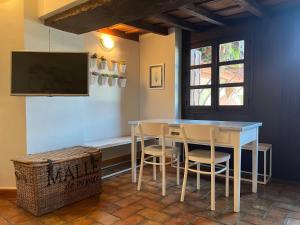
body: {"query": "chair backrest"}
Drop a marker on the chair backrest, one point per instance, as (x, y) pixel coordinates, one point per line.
(153, 130)
(202, 133)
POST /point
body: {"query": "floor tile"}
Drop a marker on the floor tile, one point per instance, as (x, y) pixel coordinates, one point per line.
(205, 221)
(151, 222)
(151, 204)
(103, 217)
(127, 211)
(83, 221)
(132, 220)
(3, 221)
(154, 215)
(128, 200)
(120, 203)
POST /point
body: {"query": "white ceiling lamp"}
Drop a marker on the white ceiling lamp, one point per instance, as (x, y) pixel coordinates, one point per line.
(107, 42)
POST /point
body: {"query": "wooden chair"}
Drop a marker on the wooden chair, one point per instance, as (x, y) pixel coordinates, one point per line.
(160, 151)
(207, 134)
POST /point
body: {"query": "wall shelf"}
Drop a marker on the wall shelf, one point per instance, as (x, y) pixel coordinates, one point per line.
(103, 73)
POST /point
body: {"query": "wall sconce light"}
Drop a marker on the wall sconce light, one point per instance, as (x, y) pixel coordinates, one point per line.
(107, 42)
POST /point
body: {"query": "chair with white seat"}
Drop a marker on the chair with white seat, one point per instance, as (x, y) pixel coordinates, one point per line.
(207, 134)
(161, 151)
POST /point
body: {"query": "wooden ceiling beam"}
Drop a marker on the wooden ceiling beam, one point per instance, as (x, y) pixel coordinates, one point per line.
(177, 22)
(134, 30)
(96, 14)
(121, 26)
(251, 6)
(204, 1)
(149, 27)
(121, 34)
(203, 14)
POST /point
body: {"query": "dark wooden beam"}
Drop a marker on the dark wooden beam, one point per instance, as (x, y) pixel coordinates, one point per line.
(251, 6)
(177, 22)
(118, 33)
(96, 14)
(204, 1)
(149, 27)
(203, 14)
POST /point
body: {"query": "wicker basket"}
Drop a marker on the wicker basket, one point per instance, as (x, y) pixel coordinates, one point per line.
(48, 181)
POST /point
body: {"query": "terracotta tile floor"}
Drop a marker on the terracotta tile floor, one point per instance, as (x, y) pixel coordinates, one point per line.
(120, 203)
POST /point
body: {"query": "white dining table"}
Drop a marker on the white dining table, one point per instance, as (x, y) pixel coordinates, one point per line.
(233, 134)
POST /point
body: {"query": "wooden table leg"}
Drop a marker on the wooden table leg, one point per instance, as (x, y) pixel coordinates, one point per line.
(133, 154)
(237, 173)
(254, 163)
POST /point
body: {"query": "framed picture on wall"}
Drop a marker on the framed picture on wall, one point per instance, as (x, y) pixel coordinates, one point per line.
(157, 76)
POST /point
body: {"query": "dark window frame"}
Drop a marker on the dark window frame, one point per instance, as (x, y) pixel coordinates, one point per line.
(189, 87)
(215, 64)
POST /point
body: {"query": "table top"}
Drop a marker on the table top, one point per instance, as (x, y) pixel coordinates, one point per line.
(226, 125)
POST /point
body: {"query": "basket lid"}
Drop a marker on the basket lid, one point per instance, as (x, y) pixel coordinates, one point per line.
(64, 154)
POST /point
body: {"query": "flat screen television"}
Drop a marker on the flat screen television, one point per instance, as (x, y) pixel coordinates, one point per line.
(49, 73)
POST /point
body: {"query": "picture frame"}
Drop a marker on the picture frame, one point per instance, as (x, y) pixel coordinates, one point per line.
(157, 76)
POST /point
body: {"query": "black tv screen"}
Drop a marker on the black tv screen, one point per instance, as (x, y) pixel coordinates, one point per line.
(49, 73)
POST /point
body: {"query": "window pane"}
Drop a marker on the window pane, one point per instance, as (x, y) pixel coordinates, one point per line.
(200, 97)
(231, 74)
(231, 96)
(201, 76)
(231, 51)
(200, 56)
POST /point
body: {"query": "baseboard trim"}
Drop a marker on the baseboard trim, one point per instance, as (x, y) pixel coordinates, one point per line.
(7, 188)
(8, 191)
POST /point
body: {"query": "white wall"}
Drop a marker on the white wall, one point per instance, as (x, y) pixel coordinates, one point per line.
(157, 49)
(52, 122)
(64, 121)
(108, 109)
(57, 122)
(12, 109)
(48, 7)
